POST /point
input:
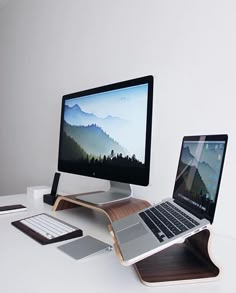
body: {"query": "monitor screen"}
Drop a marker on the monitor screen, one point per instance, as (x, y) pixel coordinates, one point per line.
(105, 132)
(199, 173)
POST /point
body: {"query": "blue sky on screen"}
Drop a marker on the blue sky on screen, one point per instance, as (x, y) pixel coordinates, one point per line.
(130, 105)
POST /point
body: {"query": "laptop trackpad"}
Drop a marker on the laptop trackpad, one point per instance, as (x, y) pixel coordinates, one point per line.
(131, 233)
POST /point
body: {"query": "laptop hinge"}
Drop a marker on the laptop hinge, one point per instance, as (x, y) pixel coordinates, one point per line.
(189, 209)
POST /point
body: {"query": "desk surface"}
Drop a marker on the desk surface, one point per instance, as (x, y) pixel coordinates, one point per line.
(27, 266)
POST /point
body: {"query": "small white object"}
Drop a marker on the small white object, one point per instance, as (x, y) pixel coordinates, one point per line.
(38, 191)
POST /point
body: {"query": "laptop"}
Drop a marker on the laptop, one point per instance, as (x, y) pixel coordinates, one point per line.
(190, 210)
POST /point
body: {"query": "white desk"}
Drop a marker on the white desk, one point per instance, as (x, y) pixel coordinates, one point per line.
(26, 266)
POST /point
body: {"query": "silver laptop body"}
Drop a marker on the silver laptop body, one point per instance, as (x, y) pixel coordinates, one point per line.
(190, 210)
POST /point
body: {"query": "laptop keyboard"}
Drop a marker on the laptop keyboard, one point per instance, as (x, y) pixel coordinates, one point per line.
(166, 219)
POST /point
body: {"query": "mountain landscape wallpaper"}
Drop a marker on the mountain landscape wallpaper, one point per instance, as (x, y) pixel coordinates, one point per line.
(198, 174)
(106, 128)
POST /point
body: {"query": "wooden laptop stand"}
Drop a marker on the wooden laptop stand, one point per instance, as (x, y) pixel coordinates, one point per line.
(186, 261)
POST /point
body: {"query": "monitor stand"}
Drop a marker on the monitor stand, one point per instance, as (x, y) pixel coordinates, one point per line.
(118, 191)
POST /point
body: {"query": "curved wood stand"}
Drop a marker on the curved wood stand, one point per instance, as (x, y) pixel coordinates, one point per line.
(114, 211)
(186, 261)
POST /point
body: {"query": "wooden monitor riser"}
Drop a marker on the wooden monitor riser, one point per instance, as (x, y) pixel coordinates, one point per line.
(114, 211)
(181, 262)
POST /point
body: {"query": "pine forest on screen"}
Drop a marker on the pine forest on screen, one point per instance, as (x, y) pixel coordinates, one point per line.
(106, 128)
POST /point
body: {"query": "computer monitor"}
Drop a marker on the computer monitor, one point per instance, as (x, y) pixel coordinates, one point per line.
(105, 133)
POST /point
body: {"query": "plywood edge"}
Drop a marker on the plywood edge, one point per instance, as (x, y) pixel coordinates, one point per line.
(115, 244)
(76, 203)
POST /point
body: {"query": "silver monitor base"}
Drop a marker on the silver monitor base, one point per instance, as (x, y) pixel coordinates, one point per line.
(117, 192)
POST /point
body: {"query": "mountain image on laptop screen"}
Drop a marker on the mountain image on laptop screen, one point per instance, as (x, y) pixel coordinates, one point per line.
(107, 128)
(198, 174)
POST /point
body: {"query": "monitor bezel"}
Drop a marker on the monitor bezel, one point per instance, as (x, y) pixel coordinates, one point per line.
(137, 176)
(211, 138)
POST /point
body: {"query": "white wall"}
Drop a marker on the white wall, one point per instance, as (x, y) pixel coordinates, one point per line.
(50, 48)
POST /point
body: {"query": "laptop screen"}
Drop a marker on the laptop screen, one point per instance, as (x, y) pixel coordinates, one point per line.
(199, 173)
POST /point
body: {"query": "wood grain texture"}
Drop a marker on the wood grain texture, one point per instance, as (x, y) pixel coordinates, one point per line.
(186, 261)
(114, 211)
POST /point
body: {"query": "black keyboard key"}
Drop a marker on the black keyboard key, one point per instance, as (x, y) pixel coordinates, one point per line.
(168, 219)
(178, 216)
(165, 221)
(163, 228)
(152, 226)
(173, 220)
(195, 223)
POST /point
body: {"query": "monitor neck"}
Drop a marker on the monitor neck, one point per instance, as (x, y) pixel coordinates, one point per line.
(118, 191)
